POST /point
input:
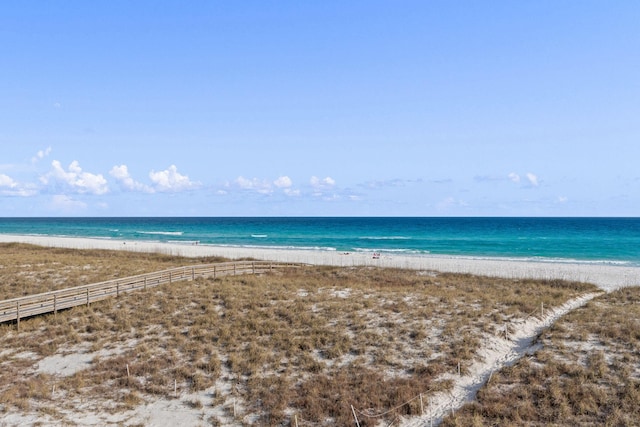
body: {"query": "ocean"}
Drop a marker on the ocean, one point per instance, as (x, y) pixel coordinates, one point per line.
(583, 240)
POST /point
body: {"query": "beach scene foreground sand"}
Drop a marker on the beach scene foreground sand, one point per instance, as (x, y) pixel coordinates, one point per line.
(439, 345)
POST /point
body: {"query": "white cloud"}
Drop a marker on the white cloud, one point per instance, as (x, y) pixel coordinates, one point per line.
(7, 181)
(75, 179)
(255, 184)
(170, 180)
(41, 154)
(532, 180)
(9, 187)
(397, 182)
(121, 174)
(291, 192)
(283, 182)
(66, 204)
(322, 186)
(262, 186)
(322, 183)
(562, 199)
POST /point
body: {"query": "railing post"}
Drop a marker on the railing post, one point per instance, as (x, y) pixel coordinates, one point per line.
(117, 289)
(55, 305)
(253, 267)
(87, 297)
(18, 314)
(214, 271)
(170, 277)
(193, 273)
(234, 268)
(145, 282)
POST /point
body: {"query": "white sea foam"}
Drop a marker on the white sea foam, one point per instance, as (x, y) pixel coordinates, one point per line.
(273, 247)
(162, 233)
(396, 250)
(384, 238)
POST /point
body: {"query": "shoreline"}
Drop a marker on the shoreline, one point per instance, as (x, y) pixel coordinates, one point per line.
(606, 277)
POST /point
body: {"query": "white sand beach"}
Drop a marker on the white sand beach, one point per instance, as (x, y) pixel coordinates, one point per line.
(607, 277)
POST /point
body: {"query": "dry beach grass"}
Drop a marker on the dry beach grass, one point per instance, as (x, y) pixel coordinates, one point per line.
(300, 345)
(29, 269)
(586, 372)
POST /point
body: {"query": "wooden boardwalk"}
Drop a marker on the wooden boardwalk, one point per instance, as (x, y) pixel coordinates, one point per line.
(50, 302)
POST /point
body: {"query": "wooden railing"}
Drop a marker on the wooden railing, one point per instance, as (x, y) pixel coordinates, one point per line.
(50, 302)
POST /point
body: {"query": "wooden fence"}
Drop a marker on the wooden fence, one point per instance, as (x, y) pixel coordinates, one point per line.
(50, 302)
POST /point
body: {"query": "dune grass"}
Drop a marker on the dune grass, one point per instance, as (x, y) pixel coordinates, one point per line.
(254, 350)
(29, 269)
(587, 372)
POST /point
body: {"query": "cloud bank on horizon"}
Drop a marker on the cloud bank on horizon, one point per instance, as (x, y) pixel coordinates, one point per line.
(320, 108)
(72, 190)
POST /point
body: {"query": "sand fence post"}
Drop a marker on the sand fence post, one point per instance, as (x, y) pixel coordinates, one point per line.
(55, 305)
(542, 309)
(88, 297)
(421, 406)
(18, 314)
(430, 413)
(353, 410)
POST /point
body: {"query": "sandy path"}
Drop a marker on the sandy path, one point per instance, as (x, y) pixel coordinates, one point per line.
(496, 354)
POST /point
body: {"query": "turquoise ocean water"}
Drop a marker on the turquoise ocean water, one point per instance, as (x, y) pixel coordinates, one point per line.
(586, 240)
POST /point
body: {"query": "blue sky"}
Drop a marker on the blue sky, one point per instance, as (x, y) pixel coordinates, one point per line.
(400, 108)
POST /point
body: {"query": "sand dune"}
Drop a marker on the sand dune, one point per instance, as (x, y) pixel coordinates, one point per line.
(497, 352)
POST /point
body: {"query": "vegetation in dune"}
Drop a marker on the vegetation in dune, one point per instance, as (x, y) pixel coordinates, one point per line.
(587, 372)
(305, 343)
